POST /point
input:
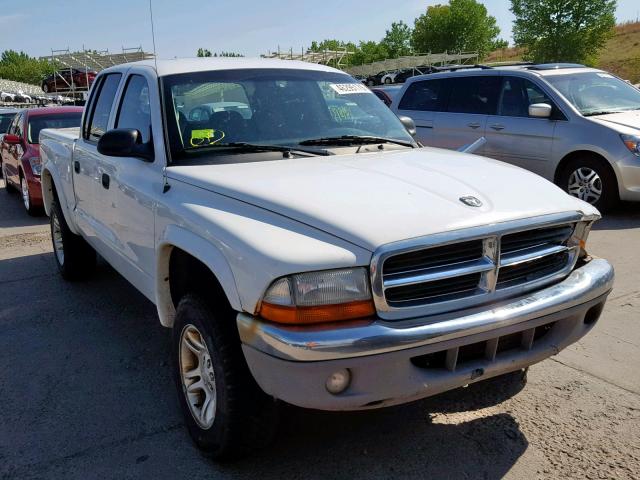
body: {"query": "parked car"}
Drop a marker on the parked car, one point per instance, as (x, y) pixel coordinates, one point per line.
(376, 79)
(68, 79)
(389, 77)
(576, 126)
(387, 94)
(312, 253)
(6, 116)
(19, 150)
(7, 97)
(412, 72)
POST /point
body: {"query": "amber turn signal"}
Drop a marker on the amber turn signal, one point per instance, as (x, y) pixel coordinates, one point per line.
(317, 314)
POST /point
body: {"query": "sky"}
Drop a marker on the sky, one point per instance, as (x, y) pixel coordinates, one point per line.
(250, 27)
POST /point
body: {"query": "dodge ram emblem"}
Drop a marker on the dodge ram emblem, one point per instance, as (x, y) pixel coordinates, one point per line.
(471, 201)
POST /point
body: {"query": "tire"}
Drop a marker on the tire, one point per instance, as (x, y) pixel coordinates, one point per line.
(226, 414)
(74, 257)
(371, 83)
(591, 179)
(26, 198)
(387, 81)
(45, 88)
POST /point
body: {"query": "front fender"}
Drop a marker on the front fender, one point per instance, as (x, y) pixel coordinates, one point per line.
(175, 236)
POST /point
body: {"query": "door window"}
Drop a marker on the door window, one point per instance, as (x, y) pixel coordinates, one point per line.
(426, 96)
(134, 109)
(98, 122)
(516, 96)
(478, 95)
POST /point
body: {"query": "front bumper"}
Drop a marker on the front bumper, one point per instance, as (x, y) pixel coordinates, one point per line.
(396, 362)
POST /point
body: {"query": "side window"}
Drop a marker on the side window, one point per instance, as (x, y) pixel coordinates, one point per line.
(18, 125)
(426, 96)
(14, 124)
(474, 95)
(512, 101)
(534, 94)
(99, 119)
(134, 109)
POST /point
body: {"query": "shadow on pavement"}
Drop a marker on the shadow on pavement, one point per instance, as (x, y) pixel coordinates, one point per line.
(624, 216)
(88, 367)
(12, 212)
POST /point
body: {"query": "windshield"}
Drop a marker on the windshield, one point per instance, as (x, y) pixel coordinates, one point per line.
(208, 111)
(5, 121)
(58, 120)
(595, 93)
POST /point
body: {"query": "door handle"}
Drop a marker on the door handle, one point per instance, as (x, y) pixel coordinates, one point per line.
(497, 126)
(76, 166)
(105, 181)
(474, 125)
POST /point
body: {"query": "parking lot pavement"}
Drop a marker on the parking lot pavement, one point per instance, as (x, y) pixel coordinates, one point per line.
(85, 391)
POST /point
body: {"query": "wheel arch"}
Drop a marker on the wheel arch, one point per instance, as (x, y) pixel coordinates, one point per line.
(187, 262)
(581, 153)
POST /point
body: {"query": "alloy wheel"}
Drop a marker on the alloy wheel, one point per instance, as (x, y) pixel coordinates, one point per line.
(586, 184)
(24, 187)
(56, 232)
(198, 377)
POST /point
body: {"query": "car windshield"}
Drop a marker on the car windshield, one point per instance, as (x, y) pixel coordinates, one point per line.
(58, 120)
(5, 121)
(596, 93)
(210, 112)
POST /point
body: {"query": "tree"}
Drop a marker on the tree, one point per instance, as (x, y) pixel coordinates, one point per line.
(461, 26)
(203, 52)
(561, 30)
(397, 40)
(21, 67)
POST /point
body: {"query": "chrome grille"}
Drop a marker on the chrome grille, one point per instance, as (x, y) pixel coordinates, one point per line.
(435, 275)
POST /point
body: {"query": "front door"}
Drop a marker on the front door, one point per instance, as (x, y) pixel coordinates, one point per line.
(514, 137)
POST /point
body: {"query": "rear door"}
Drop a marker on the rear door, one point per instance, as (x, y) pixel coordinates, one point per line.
(85, 154)
(514, 137)
(471, 100)
(422, 101)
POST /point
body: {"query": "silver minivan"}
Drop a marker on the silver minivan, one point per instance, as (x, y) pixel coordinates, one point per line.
(578, 127)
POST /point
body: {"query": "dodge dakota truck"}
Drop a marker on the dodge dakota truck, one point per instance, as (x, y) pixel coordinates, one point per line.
(304, 248)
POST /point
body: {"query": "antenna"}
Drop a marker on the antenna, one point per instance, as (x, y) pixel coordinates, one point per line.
(153, 37)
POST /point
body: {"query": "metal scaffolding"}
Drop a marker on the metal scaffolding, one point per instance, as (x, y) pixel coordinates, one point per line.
(428, 59)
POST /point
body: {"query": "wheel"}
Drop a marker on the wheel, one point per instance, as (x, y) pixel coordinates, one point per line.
(371, 83)
(387, 81)
(73, 255)
(7, 186)
(45, 88)
(592, 180)
(26, 198)
(226, 413)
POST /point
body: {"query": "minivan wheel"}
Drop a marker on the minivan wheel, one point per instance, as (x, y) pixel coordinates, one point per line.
(226, 413)
(591, 180)
(74, 257)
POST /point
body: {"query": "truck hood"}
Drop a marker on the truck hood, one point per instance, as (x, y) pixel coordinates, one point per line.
(630, 119)
(371, 199)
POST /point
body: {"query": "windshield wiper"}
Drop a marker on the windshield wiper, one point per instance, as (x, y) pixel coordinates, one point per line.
(246, 147)
(355, 140)
(600, 112)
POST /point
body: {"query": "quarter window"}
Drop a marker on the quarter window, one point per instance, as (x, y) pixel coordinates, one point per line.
(99, 120)
(135, 109)
(426, 96)
(476, 95)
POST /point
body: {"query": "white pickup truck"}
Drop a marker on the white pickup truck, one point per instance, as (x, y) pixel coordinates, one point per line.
(304, 248)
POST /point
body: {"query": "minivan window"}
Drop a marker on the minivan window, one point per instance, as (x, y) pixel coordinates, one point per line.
(102, 106)
(135, 110)
(516, 96)
(596, 93)
(477, 95)
(426, 96)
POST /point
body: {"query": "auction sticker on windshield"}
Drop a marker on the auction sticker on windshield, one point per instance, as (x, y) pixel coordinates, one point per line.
(346, 88)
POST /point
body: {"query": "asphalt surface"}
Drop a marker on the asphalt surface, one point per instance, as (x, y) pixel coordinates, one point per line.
(86, 391)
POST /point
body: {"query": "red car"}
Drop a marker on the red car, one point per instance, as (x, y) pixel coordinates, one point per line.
(69, 79)
(20, 152)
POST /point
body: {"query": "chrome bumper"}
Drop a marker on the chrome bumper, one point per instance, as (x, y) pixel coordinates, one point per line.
(310, 344)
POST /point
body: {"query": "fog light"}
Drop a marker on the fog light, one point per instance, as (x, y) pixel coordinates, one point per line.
(338, 381)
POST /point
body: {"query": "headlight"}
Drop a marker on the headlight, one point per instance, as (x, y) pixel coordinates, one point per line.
(632, 142)
(36, 165)
(316, 297)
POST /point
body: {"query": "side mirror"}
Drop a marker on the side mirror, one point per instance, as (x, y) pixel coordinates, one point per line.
(125, 142)
(409, 124)
(540, 110)
(11, 139)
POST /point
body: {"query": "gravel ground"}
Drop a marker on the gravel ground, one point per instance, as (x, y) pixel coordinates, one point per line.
(85, 391)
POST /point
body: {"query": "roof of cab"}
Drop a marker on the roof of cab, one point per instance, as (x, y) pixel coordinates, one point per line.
(188, 65)
(34, 112)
